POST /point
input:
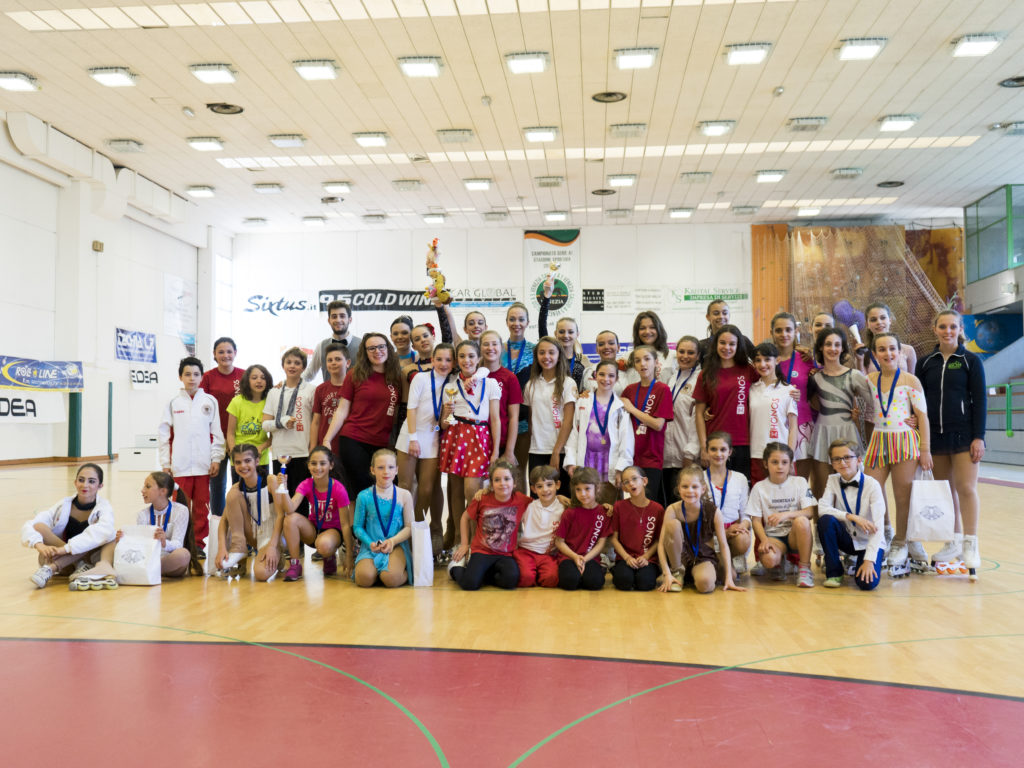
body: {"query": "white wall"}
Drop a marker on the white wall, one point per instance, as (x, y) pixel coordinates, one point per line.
(296, 266)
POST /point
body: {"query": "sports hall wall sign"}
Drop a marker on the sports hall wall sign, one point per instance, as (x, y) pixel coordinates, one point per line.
(376, 299)
(552, 253)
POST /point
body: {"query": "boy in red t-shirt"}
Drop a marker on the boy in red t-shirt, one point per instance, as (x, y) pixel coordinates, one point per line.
(581, 535)
(328, 395)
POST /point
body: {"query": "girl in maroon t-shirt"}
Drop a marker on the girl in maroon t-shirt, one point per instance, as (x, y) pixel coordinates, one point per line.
(636, 529)
(223, 382)
(721, 394)
(581, 535)
(649, 403)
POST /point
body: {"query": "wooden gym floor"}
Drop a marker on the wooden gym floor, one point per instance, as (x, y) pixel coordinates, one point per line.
(922, 671)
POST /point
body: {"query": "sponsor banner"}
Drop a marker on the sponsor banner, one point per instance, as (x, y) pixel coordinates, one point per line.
(593, 299)
(283, 305)
(557, 252)
(699, 297)
(41, 375)
(135, 346)
(483, 297)
(143, 378)
(31, 407)
(376, 299)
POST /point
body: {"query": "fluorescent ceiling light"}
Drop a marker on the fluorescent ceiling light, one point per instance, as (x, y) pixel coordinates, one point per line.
(555, 215)
(744, 210)
(769, 177)
(619, 213)
(549, 181)
(113, 77)
(17, 81)
(287, 140)
(316, 69)
(846, 173)
(717, 127)
(976, 45)
(200, 190)
(420, 66)
(272, 188)
(455, 135)
(375, 218)
(337, 187)
(622, 180)
(213, 74)
(1015, 129)
(371, 139)
(680, 213)
(897, 122)
(540, 134)
(695, 177)
(808, 212)
(205, 143)
(635, 58)
(477, 185)
(806, 123)
(314, 221)
(861, 48)
(495, 215)
(125, 145)
(627, 130)
(433, 218)
(747, 53)
(527, 62)
(255, 221)
(407, 185)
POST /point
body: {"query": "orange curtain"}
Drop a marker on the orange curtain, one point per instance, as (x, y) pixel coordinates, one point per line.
(770, 259)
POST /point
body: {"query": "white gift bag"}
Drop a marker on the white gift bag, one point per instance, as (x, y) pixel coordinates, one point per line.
(422, 555)
(137, 556)
(212, 548)
(932, 516)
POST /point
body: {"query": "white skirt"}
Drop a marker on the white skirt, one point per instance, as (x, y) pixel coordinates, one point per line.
(428, 439)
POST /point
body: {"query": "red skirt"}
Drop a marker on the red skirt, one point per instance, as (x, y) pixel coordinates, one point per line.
(466, 450)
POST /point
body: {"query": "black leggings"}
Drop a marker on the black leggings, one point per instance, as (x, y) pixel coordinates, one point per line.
(298, 470)
(740, 460)
(539, 460)
(355, 461)
(642, 579)
(569, 576)
(500, 570)
(654, 485)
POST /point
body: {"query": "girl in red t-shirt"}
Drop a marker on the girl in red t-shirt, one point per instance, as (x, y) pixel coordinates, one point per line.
(581, 535)
(636, 530)
(649, 403)
(722, 394)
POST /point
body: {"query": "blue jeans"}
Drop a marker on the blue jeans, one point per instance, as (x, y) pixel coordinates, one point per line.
(834, 537)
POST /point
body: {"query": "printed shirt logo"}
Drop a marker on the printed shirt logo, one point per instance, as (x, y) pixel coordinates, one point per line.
(773, 419)
(956, 365)
(741, 395)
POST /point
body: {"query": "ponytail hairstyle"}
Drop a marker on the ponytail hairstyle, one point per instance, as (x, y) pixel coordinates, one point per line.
(94, 467)
(960, 337)
(710, 305)
(868, 335)
(786, 316)
(694, 470)
(165, 481)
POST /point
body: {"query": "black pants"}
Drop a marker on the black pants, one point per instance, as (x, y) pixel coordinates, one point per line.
(217, 489)
(298, 470)
(740, 460)
(499, 570)
(569, 576)
(627, 579)
(355, 461)
(654, 484)
(539, 460)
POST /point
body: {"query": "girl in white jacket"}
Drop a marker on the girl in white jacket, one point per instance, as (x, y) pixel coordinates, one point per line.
(602, 435)
(71, 529)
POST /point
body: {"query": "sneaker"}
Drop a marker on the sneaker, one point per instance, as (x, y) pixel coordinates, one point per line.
(81, 567)
(201, 555)
(677, 585)
(831, 582)
(294, 571)
(330, 565)
(42, 577)
(806, 578)
(758, 570)
(739, 564)
(316, 557)
(791, 567)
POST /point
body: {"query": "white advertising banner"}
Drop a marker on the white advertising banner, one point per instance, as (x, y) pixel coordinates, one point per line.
(547, 252)
(31, 407)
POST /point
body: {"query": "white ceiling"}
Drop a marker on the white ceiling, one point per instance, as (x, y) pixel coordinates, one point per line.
(948, 159)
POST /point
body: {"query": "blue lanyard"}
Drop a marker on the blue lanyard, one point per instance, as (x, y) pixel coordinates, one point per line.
(711, 486)
(636, 397)
(680, 387)
(860, 490)
(874, 362)
(689, 534)
(391, 515)
(317, 513)
(508, 354)
(483, 391)
(259, 497)
(892, 391)
(792, 362)
(435, 401)
(602, 428)
(166, 513)
(572, 363)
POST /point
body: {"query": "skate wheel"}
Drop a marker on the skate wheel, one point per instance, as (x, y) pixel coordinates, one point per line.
(973, 574)
(112, 584)
(96, 585)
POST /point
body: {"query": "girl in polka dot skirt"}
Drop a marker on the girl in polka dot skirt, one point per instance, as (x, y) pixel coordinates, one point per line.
(471, 422)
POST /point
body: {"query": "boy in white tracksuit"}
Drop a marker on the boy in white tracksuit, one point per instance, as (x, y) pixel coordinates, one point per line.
(191, 444)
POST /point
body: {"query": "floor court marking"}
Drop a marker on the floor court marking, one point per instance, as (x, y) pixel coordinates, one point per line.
(441, 757)
(519, 761)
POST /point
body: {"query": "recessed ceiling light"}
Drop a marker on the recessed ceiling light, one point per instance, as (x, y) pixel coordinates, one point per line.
(602, 192)
(619, 213)
(627, 130)
(213, 74)
(744, 210)
(433, 218)
(287, 140)
(200, 190)
(976, 45)
(861, 48)
(805, 212)
(375, 218)
(420, 66)
(549, 181)
(695, 177)
(527, 62)
(454, 135)
(555, 215)
(477, 185)
(407, 185)
(1013, 82)
(635, 58)
(495, 215)
(223, 108)
(803, 124)
(270, 188)
(769, 177)
(622, 180)
(337, 187)
(113, 77)
(125, 145)
(314, 221)
(889, 184)
(540, 134)
(747, 53)
(316, 69)
(717, 127)
(846, 173)
(371, 139)
(255, 221)
(608, 97)
(17, 81)
(205, 143)
(680, 213)
(897, 122)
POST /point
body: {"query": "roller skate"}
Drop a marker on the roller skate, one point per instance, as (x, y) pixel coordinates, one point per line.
(971, 555)
(739, 564)
(234, 567)
(947, 561)
(888, 534)
(918, 558)
(899, 561)
(94, 582)
(954, 567)
(850, 565)
(456, 564)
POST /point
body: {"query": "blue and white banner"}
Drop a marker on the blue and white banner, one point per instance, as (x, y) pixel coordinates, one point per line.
(41, 375)
(135, 346)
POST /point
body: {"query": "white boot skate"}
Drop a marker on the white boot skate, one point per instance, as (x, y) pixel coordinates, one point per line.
(950, 551)
(899, 563)
(918, 558)
(94, 582)
(972, 557)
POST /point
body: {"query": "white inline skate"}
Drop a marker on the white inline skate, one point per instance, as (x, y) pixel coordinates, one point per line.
(971, 555)
(899, 561)
(918, 558)
(947, 561)
(94, 582)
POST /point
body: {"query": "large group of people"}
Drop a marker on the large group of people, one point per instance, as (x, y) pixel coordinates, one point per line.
(693, 461)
